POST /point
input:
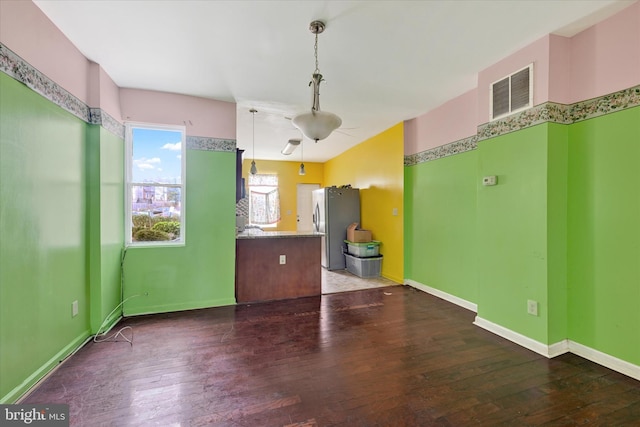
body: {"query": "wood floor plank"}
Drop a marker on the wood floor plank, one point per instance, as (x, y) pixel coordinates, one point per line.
(390, 356)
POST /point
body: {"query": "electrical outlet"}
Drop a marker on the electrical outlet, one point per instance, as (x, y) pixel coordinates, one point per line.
(532, 307)
(490, 180)
(283, 259)
(74, 308)
(394, 212)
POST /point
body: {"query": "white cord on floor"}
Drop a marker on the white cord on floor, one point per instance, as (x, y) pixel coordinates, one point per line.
(114, 337)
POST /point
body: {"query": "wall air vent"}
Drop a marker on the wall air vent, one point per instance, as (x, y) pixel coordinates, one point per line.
(512, 94)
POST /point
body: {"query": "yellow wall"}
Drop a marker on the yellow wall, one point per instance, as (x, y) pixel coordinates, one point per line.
(288, 179)
(376, 166)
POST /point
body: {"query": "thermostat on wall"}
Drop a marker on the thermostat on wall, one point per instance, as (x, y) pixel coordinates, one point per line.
(490, 180)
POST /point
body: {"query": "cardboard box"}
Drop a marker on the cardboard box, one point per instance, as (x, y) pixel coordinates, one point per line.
(357, 236)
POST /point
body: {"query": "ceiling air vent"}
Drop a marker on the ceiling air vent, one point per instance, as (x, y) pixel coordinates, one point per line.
(512, 94)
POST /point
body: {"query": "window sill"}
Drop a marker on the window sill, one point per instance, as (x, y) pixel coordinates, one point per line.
(154, 245)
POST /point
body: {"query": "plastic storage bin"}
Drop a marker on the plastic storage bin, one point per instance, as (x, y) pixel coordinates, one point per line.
(366, 249)
(364, 267)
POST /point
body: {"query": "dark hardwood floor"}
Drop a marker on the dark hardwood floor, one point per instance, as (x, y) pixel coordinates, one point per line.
(389, 356)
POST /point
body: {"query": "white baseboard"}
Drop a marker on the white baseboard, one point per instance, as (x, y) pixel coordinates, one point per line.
(550, 351)
(558, 348)
(605, 360)
(522, 340)
(564, 346)
(443, 295)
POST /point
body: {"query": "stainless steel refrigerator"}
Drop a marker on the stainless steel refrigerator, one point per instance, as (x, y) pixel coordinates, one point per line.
(333, 210)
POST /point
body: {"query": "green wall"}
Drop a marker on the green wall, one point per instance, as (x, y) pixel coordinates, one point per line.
(511, 219)
(43, 249)
(62, 228)
(440, 224)
(521, 230)
(201, 273)
(557, 194)
(562, 227)
(604, 234)
(105, 200)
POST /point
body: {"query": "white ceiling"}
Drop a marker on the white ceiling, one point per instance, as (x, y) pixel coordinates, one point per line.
(383, 61)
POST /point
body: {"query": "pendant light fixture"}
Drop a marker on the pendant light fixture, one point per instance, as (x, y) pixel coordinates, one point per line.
(301, 171)
(254, 169)
(316, 124)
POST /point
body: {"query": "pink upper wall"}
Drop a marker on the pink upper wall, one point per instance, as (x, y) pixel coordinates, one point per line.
(103, 92)
(602, 59)
(452, 121)
(31, 35)
(202, 117)
(26, 30)
(538, 53)
(109, 95)
(605, 58)
(559, 66)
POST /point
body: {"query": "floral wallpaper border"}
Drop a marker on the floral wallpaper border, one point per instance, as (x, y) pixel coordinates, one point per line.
(99, 117)
(210, 144)
(14, 66)
(543, 113)
(17, 68)
(456, 147)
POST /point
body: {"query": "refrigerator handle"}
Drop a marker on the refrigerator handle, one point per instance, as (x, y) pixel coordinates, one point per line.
(316, 218)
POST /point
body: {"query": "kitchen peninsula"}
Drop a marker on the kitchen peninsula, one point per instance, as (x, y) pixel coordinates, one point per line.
(261, 274)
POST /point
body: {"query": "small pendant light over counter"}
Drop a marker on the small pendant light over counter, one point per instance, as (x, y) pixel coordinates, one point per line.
(254, 169)
(302, 171)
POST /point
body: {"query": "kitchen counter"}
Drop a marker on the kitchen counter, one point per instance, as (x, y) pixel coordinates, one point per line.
(274, 265)
(255, 233)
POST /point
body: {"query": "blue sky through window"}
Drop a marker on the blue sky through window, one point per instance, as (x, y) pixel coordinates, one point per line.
(156, 156)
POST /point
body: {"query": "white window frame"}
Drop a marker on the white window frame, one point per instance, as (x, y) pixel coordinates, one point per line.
(128, 164)
(510, 112)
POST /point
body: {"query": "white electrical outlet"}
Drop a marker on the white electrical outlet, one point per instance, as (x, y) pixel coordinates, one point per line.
(394, 212)
(490, 180)
(283, 259)
(532, 307)
(74, 308)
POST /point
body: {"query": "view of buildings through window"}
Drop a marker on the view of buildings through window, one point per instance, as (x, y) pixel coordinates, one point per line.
(155, 183)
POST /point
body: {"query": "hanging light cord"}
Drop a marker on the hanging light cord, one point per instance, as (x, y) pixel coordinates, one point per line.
(253, 124)
(315, 49)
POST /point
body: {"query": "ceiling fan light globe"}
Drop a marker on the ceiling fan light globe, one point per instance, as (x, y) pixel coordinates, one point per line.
(317, 125)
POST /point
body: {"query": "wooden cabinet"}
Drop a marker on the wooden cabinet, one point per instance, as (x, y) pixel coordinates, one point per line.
(261, 277)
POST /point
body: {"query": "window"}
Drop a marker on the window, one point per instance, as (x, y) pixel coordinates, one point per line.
(264, 200)
(155, 192)
(512, 94)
